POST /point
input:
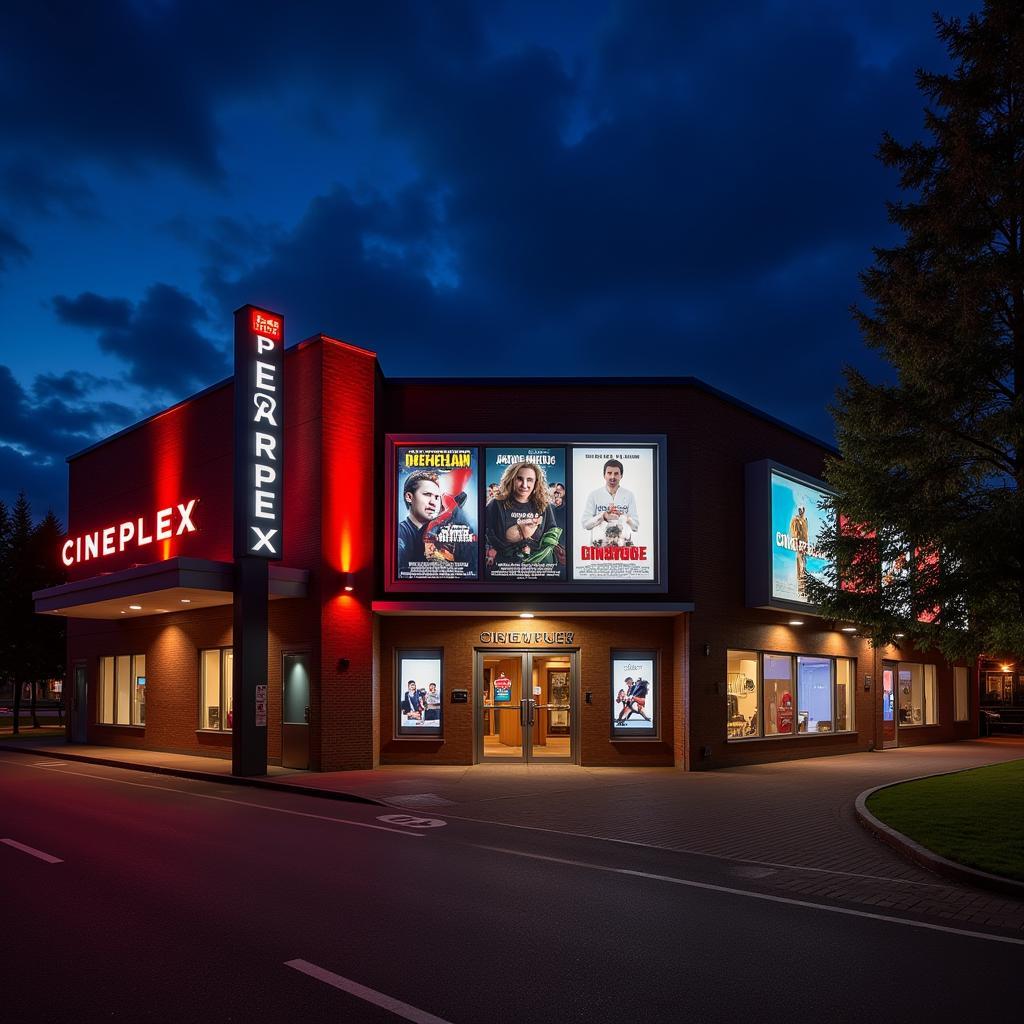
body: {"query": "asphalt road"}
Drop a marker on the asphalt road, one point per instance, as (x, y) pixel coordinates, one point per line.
(137, 897)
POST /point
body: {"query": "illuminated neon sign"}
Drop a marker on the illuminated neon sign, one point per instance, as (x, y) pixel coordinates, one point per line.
(259, 433)
(132, 533)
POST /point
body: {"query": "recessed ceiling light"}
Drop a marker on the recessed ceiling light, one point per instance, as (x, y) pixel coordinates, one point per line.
(135, 607)
(796, 622)
(186, 600)
(849, 629)
(526, 615)
(899, 636)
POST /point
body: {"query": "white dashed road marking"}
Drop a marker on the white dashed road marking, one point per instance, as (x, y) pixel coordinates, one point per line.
(369, 995)
(32, 851)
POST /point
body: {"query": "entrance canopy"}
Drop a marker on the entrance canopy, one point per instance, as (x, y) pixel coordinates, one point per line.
(175, 585)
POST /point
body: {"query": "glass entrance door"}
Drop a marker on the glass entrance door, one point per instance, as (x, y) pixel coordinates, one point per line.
(527, 706)
(889, 738)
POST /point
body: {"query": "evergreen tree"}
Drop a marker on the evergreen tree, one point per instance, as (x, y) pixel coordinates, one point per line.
(930, 541)
(6, 636)
(20, 611)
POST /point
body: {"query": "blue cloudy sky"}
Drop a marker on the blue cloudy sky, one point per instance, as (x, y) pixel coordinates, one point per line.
(586, 188)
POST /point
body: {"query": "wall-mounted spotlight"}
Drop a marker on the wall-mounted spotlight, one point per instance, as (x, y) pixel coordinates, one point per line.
(526, 615)
(348, 581)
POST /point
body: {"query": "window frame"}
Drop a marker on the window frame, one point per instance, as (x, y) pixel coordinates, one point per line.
(925, 704)
(793, 657)
(133, 705)
(221, 728)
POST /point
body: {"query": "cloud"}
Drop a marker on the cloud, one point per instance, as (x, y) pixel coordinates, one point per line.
(42, 425)
(157, 338)
(92, 310)
(28, 186)
(11, 248)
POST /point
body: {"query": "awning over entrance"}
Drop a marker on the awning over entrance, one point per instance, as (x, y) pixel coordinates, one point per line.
(178, 584)
(520, 608)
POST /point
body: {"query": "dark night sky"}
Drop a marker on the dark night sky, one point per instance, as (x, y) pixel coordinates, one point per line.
(531, 188)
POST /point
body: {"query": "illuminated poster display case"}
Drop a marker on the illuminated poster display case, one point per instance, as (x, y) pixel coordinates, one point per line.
(525, 513)
(419, 693)
(634, 703)
(784, 523)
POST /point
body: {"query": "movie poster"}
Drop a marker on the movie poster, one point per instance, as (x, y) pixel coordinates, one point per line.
(634, 694)
(418, 693)
(525, 514)
(613, 512)
(797, 522)
(437, 535)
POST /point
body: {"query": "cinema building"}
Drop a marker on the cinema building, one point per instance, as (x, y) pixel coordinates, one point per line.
(588, 571)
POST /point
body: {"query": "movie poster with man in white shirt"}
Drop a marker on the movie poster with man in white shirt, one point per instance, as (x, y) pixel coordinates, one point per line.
(615, 536)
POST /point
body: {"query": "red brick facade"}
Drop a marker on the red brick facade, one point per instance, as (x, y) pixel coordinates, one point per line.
(338, 410)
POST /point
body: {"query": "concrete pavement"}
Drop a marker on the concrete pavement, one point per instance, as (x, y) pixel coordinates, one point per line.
(792, 822)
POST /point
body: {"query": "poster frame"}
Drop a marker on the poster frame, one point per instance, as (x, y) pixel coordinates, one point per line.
(758, 501)
(408, 732)
(633, 735)
(483, 441)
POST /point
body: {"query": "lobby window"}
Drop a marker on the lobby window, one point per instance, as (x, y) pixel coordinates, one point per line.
(917, 695)
(122, 697)
(215, 688)
(778, 695)
(785, 694)
(845, 691)
(742, 688)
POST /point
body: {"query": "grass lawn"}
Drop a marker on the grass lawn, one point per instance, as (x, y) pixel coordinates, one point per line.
(974, 817)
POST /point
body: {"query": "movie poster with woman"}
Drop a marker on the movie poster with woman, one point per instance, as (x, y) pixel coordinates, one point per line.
(525, 514)
(634, 694)
(437, 537)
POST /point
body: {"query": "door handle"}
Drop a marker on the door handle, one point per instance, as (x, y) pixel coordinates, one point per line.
(533, 706)
(306, 716)
(522, 713)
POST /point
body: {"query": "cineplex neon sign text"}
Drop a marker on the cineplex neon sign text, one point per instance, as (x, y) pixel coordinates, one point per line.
(167, 523)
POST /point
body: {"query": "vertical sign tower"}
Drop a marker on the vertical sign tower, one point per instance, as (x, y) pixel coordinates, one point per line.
(258, 529)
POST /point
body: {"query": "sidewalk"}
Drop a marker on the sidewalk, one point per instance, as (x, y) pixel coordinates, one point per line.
(796, 820)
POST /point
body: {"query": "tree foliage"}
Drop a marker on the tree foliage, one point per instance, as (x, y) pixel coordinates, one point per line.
(930, 534)
(32, 647)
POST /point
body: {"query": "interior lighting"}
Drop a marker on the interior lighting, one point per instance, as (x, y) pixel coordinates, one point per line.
(1005, 668)
(135, 607)
(186, 600)
(350, 582)
(848, 629)
(899, 636)
(796, 622)
(526, 615)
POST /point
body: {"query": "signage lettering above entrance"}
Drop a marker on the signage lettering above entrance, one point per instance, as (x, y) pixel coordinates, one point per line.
(167, 523)
(259, 433)
(559, 639)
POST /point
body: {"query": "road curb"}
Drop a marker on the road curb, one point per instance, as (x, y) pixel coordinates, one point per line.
(921, 855)
(189, 773)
